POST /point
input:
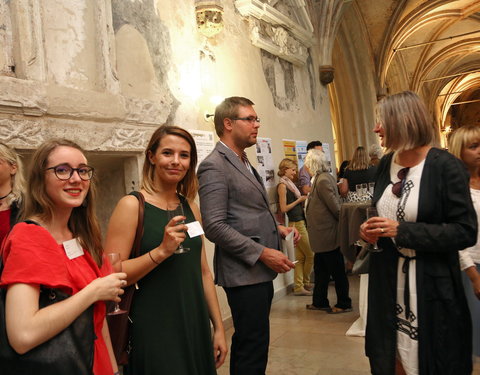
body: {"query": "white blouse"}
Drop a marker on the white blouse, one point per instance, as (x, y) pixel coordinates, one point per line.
(471, 255)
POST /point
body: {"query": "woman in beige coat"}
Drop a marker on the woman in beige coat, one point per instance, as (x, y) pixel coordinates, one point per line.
(323, 209)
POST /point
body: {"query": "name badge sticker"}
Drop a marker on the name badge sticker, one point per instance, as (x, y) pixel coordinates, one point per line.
(194, 229)
(72, 249)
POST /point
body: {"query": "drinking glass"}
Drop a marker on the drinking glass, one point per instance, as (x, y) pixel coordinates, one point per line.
(115, 266)
(371, 188)
(364, 189)
(372, 212)
(358, 190)
(176, 209)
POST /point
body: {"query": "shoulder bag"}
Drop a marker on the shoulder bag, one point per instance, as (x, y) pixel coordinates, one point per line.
(69, 352)
(119, 325)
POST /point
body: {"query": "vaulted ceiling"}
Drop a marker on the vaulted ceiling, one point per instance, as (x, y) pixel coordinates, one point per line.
(430, 47)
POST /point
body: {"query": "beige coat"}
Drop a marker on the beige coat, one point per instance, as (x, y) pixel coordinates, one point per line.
(323, 210)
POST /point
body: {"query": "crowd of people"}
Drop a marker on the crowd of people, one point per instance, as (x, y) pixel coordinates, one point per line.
(56, 278)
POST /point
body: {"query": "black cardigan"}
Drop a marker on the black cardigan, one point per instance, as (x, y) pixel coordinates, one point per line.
(446, 222)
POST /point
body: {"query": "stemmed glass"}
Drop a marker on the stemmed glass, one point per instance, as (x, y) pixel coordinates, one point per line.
(115, 266)
(372, 212)
(176, 209)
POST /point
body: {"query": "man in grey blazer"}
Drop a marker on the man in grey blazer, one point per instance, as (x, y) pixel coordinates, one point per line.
(237, 218)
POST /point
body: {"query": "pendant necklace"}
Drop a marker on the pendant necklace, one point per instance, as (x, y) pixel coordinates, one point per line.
(2, 198)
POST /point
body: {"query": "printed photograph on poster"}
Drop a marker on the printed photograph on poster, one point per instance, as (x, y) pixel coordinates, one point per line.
(205, 143)
(265, 166)
(301, 147)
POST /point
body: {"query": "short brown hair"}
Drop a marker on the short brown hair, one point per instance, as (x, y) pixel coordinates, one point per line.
(284, 165)
(462, 137)
(229, 109)
(189, 185)
(406, 122)
(83, 221)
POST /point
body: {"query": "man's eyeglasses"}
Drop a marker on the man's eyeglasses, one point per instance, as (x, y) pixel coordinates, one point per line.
(65, 172)
(250, 119)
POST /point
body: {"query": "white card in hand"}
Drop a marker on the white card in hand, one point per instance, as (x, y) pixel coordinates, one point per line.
(289, 236)
(194, 229)
(72, 249)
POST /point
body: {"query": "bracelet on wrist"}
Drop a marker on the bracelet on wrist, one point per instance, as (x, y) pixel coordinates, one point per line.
(153, 260)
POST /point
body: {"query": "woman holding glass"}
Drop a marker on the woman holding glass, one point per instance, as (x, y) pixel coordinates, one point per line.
(291, 201)
(418, 320)
(11, 189)
(323, 210)
(464, 143)
(176, 298)
(58, 247)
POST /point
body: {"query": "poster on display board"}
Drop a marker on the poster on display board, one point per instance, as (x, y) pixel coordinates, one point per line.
(205, 143)
(290, 149)
(301, 147)
(326, 150)
(265, 167)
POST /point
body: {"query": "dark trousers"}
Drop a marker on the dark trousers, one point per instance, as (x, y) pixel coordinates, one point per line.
(326, 265)
(250, 306)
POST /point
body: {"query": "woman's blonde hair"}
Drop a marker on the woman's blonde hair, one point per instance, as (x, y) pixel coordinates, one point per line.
(360, 160)
(406, 122)
(17, 182)
(189, 185)
(461, 138)
(83, 221)
(284, 165)
(316, 161)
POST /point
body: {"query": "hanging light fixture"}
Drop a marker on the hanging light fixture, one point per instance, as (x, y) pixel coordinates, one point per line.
(209, 17)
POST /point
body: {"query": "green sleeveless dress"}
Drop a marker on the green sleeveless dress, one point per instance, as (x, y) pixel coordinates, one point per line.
(171, 327)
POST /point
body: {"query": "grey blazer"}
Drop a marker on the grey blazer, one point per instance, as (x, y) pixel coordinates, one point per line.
(323, 211)
(237, 218)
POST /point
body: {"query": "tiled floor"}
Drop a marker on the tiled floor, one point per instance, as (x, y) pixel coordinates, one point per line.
(307, 342)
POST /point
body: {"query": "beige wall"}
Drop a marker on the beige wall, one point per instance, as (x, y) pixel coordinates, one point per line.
(107, 73)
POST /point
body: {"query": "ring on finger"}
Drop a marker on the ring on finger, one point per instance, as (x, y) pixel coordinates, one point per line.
(382, 230)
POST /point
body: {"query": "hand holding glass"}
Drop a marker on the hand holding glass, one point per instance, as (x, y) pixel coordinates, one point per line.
(115, 266)
(372, 212)
(176, 209)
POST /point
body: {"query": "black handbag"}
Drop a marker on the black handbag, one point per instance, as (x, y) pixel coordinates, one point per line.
(119, 325)
(362, 263)
(69, 352)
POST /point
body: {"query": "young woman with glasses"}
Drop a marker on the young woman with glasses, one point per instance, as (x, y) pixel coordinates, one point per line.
(418, 320)
(58, 247)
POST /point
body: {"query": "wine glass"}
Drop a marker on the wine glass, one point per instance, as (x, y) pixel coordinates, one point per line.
(176, 209)
(115, 266)
(372, 212)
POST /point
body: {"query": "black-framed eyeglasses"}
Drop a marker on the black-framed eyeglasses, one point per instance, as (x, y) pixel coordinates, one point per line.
(251, 119)
(65, 172)
(397, 187)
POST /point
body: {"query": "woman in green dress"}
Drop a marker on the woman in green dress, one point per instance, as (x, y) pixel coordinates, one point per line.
(176, 297)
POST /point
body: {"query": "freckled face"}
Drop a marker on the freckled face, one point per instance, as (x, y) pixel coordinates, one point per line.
(66, 193)
(171, 159)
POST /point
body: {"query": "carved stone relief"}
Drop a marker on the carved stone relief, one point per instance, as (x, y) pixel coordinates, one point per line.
(21, 134)
(282, 28)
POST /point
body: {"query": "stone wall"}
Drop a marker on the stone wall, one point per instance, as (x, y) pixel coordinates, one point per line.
(106, 73)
